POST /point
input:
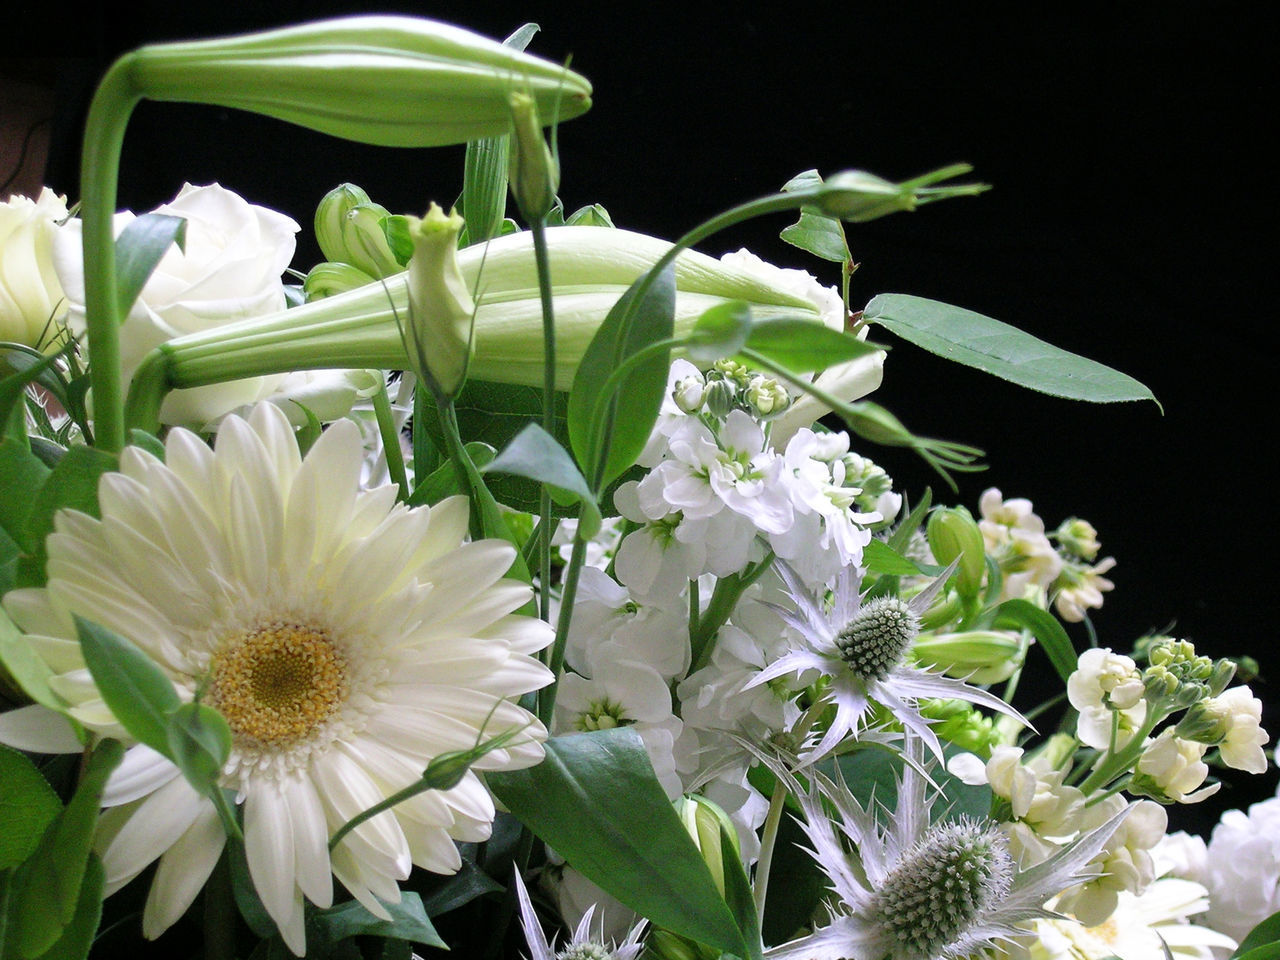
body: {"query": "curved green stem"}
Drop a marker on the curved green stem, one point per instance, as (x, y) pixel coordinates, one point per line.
(391, 441)
(109, 112)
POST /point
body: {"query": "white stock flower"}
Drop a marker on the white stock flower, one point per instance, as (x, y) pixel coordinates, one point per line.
(1104, 686)
(230, 270)
(1176, 767)
(1241, 712)
(31, 302)
(1125, 864)
(861, 649)
(1079, 588)
(1015, 538)
(346, 639)
(1243, 868)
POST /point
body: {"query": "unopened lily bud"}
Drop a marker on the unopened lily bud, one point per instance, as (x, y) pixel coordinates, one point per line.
(957, 722)
(438, 332)
(953, 533)
(704, 821)
(329, 279)
(1079, 538)
(534, 172)
(857, 196)
(980, 656)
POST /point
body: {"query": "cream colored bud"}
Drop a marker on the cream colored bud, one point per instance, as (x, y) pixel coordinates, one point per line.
(533, 171)
(438, 331)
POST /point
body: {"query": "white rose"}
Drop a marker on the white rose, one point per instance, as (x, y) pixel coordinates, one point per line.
(1243, 867)
(235, 253)
(31, 301)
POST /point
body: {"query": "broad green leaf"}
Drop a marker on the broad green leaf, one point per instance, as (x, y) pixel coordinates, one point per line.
(47, 888)
(460, 889)
(595, 799)
(445, 480)
(720, 332)
(1024, 615)
(1266, 932)
(738, 897)
(803, 346)
(607, 433)
(409, 921)
(1001, 350)
(132, 685)
(21, 475)
(27, 806)
(78, 935)
(139, 248)
(1267, 951)
(73, 484)
(399, 237)
(881, 558)
(535, 454)
(10, 554)
(199, 743)
(815, 233)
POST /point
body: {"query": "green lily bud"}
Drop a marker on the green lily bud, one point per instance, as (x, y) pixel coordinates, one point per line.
(329, 279)
(437, 336)
(980, 656)
(858, 196)
(590, 268)
(958, 722)
(385, 80)
(533, 172)
(952, 533)
(704, 820)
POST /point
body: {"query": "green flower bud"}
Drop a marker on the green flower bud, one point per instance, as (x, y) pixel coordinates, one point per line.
(952, 533)
(386, 80)
(767, 396)
(958, 722)
(329, 279)
(704, 821)
(1079, 538)
(721, 398)
(534, 173)
(858, 196)
(1204, 722)
(980, 656)
(438, 332)
(1224, 671)
(689, 393)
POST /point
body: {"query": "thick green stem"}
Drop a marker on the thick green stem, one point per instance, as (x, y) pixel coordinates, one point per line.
(391, 440)
(109, 112)
(543, 260)
(725, 597)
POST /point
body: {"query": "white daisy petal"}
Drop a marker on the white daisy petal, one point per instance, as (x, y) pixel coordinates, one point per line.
(182, 872)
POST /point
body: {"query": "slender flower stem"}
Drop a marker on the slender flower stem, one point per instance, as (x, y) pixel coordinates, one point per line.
(219, 914)
(457, 452)
(769, 837)
(109, 112)
(391, 441)
(543, 260)
(547, 695)
(724, 598)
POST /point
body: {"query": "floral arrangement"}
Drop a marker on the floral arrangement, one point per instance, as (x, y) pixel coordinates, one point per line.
(533, 579)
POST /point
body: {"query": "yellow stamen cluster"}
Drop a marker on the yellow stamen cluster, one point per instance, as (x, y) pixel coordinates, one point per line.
(277, 684)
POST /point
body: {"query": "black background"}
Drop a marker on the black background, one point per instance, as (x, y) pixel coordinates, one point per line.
(1131, 220)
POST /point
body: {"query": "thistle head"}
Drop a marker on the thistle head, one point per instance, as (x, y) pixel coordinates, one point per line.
(943, 886)
(878, 637)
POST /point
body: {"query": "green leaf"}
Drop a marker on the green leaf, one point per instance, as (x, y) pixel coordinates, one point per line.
(593, 215)
(535, 454)
(1266, 932)
(607, 433)
(881, 558)
(595, 799)
(1024, 615)
(27, 806)
(199, 743)
(803, 346)
(900, 539)
(815, 233)
(12, 386)
(47, 888)
(1001, 350)
(409, 921)
(1267, 951)
(73, 485)
(139, 248)
(445, 481)
(738, 897)
(148, 442)
(720, 332)
(399, 237)
(21, 474)
(246, 895)
(78, 935)
(132, 685)
(460, 889)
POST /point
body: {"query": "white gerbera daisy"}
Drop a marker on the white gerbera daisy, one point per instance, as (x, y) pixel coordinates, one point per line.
(346, 638)
(915, 889)
(861, 648)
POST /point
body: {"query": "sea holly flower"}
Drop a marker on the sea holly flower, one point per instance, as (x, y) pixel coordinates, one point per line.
(860, 648)
(31, 302)
(347, 640)
(912, 888)
(585, 943)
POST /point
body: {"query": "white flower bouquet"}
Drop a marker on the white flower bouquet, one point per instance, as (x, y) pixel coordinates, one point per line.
(525, 585)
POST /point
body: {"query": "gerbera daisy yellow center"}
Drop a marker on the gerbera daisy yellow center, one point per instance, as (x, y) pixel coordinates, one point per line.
(279, 683)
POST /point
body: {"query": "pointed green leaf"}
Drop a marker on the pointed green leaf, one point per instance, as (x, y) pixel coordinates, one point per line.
(534, 454)
(132, 685)
(445, 480)
(27, 806)
(139, 248)
(409, 921)
(719, 333)
(589, 216)
(72, 485)
(738, 897)
(47, 888)
(881, 558)
(815, 233)
(1266, 932)
(595, 799)
(199, 743)
(803, 346)
(1001, 350)
(1024, 615)
(22, 473)
(78, 935)
(12, 386)
(607, 433)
